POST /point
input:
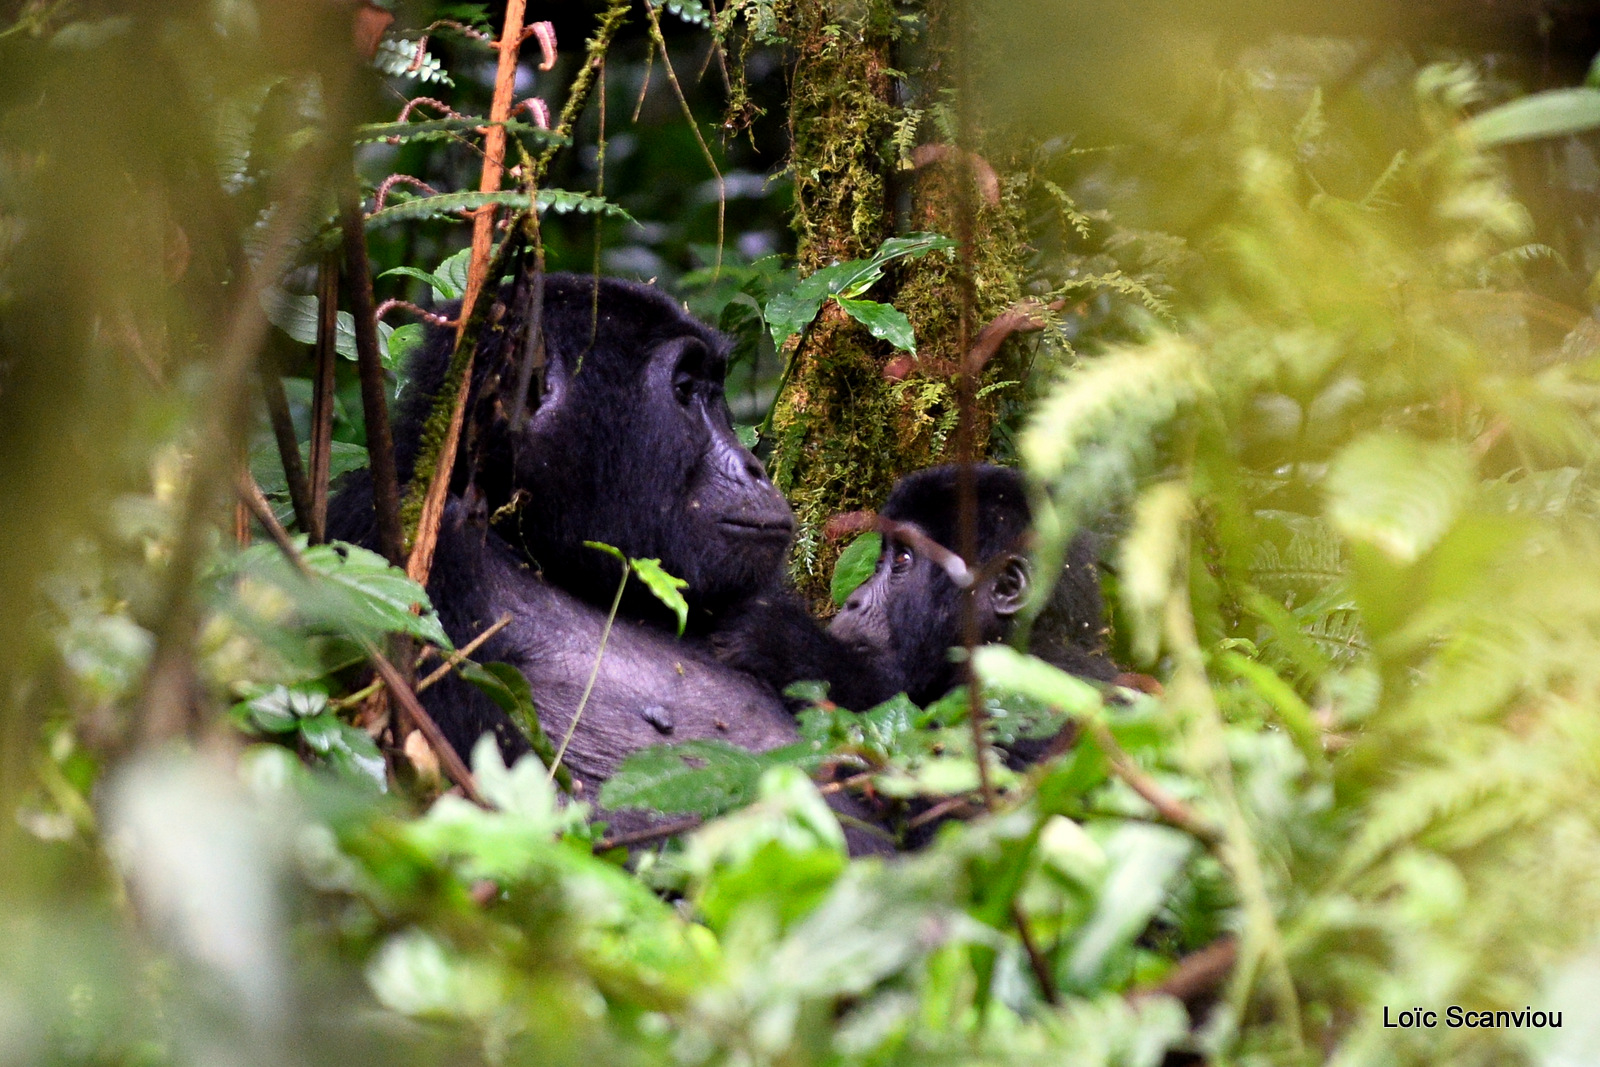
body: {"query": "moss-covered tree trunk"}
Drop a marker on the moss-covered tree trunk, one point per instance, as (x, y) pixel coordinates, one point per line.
(856, 414)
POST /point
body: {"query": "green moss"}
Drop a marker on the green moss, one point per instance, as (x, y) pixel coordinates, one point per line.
(437, 426)
(843, 431)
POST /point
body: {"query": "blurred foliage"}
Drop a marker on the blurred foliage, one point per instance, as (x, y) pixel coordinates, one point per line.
(1310, 346)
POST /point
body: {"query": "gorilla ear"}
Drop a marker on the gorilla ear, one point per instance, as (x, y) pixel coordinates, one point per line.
(1010, 590)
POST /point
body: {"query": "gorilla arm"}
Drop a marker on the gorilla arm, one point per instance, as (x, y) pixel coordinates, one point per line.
(773, 637)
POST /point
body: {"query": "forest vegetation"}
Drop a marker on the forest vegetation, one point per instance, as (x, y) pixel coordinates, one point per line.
(1293, 308)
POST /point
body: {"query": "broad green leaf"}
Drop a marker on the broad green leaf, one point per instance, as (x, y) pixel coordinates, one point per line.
(609, 550)
(790, 313)
(1005, 668)
(1013, 716)
(297, 316)
(352, 591)
(267, 467)
(1143, 859)
(856, 564)
(339, 742)
(854, 278)
(936, 776)
(521, 789)
(376, 593)
(912, 245)
(441, 287)
(883, 321)
(890, 728)
(413, 974)
(665, 587)
(696, 777)
(508, 844)
(1556, 113)
(1397, 492)
(405, 341)
(453, 270)
(781, 854)
(1066, 849)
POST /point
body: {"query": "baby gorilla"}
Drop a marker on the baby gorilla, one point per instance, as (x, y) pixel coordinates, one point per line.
(908, 615)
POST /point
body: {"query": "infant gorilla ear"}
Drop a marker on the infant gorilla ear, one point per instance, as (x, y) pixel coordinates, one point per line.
(907, 616)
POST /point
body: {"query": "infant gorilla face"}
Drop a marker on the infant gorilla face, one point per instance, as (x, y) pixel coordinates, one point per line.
(908, 614)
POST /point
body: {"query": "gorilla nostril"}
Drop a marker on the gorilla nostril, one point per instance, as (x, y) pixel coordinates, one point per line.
(753, 467)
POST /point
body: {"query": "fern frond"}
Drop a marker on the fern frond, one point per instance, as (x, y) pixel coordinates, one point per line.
(1445, 793)
(1071, 216)
(1377, 194)
(1118, 282)
(395, 58)
(904, 138)
(1095, 431)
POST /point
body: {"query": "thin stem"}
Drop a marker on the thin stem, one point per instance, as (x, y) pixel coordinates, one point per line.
(294, 471)
(254, 502)
(1172, 811)
(426, 539)
(688, 114)
(1036, 959)
(966, 393)
(455, 659)
(393, 682)
(460, 655)
(449, 758)
(494, 145)
(655, 833)
(598, 45)
(764, 434)
(583, 702)
(323, 380)
(374, 399)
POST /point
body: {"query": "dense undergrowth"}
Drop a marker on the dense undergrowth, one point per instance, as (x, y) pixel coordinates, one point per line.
(1356, 457)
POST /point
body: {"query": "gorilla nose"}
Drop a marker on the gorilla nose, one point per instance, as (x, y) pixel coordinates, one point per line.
(846, 626)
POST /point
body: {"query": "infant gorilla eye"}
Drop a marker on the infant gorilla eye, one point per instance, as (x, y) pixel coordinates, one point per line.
(900, 559)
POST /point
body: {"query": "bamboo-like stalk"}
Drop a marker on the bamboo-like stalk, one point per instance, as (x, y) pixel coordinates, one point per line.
(427, 534)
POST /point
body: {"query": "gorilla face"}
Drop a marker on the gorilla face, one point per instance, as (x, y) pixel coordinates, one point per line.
(632, 444)
(910, 611)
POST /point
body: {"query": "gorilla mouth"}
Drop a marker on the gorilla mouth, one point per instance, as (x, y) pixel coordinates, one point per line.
(758, 527)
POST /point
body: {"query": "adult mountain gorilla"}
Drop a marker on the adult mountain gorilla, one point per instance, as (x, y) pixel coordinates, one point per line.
(628, 441)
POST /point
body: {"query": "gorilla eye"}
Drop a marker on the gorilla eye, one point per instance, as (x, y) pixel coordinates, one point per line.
(901, 558)
(683, 387)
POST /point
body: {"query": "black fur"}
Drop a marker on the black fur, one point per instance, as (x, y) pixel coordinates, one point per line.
(607, 454)
(627, 442)
(908, 615)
